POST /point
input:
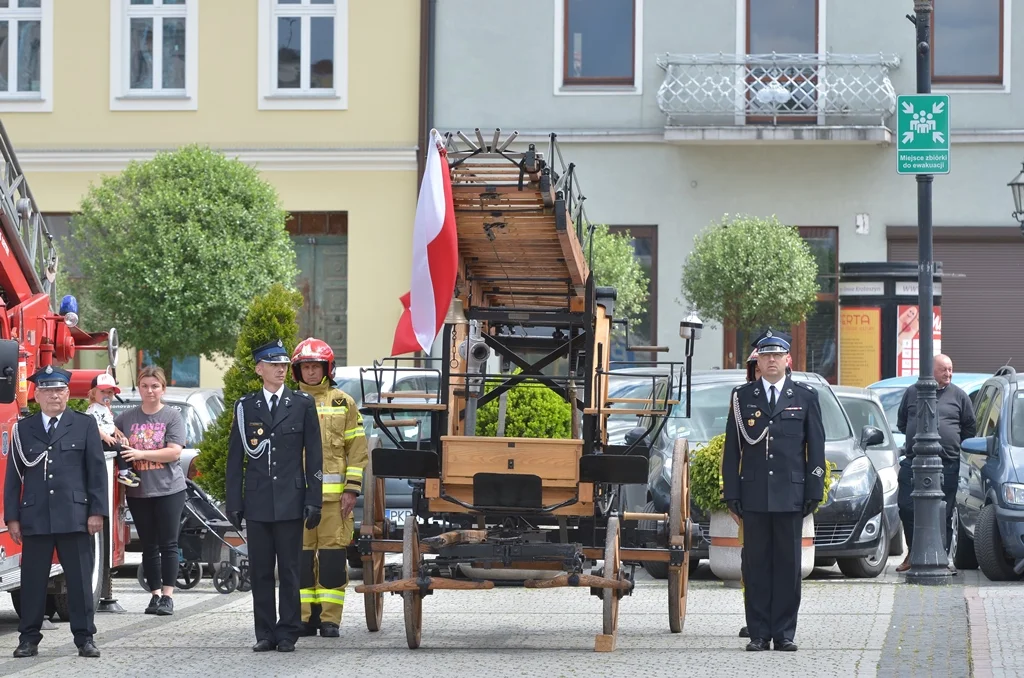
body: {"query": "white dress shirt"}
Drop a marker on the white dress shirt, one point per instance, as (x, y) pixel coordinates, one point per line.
(46, 421)
(768, 388)
(267, 394)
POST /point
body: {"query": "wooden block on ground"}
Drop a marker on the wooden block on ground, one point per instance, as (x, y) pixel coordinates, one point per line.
(604, 643)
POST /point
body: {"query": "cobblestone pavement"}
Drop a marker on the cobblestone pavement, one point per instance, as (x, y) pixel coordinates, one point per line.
(847, 628)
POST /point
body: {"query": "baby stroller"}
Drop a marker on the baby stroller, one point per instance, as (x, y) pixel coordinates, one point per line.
(202, 536)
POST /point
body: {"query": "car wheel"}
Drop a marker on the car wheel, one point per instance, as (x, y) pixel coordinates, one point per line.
(896, 543)
(988, 547)
(961, 546)
(867, 567)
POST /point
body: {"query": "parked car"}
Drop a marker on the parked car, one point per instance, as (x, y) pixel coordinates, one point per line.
(864, 408)
(363, 383)
(199, 408)
(890, 392)
(848, 527)
(988, 519)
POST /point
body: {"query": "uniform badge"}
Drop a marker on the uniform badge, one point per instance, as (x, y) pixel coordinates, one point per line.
(757, 414)
(757, 391)
(253, 441)
(319, 475)
(259, 431)
(768, 334)
(750, 422)
(287, 401)
(49, 370)
(818, 471)
(789, 392)
(337, 402)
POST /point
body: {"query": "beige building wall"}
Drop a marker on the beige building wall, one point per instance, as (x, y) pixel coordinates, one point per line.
(356, 154)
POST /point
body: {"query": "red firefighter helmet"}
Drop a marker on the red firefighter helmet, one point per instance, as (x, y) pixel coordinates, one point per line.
(312, 350)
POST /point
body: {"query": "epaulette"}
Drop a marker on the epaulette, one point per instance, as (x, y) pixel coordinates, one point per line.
(303, 394)
(245, 397)
(746, 385)
(807, 386)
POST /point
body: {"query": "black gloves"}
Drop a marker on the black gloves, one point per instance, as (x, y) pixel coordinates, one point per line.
(311, 514)
(236, 519)
(735, 507)
(809, 506)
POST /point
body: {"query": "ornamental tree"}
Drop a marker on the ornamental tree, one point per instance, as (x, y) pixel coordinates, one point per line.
(614, 264)
(172, 250)
(751, 272)
(270, 316)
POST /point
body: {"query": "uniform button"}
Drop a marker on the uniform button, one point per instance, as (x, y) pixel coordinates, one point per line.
(271, 435)
(771, 473)
(51, 491)
(273, 449)
(275, 477)
(771, 456)
(273, 463)
(770, 438)
(49, 448)
(51, 476)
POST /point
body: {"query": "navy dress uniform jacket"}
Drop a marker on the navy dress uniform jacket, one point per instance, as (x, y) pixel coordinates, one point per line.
(785, 469)
(57, 496)
(282, 480)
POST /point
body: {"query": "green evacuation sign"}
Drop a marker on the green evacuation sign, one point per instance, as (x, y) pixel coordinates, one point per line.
(922, 130)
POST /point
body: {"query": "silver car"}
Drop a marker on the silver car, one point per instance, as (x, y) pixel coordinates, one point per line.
(199, 408)
(864, 408)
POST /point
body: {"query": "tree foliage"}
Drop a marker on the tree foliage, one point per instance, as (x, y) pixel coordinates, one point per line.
(751, 272)
(532, 411)
(172, 250)
(615, 265)
(270, 316)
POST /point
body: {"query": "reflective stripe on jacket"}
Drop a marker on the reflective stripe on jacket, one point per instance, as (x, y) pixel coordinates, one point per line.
(344, 440)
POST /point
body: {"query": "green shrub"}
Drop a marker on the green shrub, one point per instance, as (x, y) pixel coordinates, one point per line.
(270, 316)
(533, 411)
(76, 404)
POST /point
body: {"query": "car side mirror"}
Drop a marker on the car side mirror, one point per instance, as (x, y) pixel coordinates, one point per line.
(976, 446)
(635, 434)
(870, 435)
(8, 371)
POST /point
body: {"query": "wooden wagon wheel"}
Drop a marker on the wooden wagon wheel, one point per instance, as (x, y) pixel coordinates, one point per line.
(374, 526)
(412, 600)
(612, 570)
(679, 518)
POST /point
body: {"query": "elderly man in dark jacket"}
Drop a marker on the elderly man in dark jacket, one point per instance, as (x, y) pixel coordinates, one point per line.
(55, 496)
(955, 414)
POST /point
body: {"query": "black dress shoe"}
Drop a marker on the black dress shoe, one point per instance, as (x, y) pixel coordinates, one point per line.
(785, 645)
(26, 649)
(286, 646)
(264, 646)
(744, 633)
(758, 645)
(308, 629)
(88, 649)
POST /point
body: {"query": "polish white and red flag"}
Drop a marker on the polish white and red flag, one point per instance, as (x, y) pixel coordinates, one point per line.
(435, 256)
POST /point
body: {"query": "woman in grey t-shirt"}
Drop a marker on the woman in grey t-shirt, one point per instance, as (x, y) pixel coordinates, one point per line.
(156, 435)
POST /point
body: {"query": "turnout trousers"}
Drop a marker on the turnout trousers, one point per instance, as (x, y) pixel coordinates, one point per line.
(324, 572)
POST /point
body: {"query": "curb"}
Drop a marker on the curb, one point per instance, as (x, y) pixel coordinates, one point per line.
(977, 626)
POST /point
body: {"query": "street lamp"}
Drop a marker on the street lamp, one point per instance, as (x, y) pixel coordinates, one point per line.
(690, 330)
(1017, 186)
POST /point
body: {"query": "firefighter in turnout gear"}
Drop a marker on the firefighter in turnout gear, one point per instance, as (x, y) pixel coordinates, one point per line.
(324, 574)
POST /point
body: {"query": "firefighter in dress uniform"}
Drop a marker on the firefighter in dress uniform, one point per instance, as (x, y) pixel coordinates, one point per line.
(324, 573)
(273, 479)
(773, 475)
(55, 497)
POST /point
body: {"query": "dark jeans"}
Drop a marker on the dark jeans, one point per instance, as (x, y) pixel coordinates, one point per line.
(950, 475)
(157, 520)
(122, 464)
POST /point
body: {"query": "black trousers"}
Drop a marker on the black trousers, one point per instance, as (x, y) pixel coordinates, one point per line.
(74, 550)
(158, 520)
(122, 464)
(277, 542)
(950, 478)
(771, 573)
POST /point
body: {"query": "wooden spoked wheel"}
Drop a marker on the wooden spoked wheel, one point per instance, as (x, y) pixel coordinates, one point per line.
(612, 570)
(374, 526)
(412, 600)
(679, 518)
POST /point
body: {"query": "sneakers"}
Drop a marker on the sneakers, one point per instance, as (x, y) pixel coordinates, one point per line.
(154, 602)
(165, 607)
(130, 479)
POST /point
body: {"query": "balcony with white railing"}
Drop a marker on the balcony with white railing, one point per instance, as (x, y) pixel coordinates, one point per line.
(777, 97)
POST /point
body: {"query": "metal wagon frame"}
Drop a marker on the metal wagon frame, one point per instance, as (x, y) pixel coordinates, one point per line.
(521, 511)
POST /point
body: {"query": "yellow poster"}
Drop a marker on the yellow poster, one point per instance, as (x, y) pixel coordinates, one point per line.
(860, 346)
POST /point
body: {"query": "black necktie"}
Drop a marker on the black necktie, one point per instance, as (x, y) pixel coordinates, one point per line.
(273, 404)
(771, 402)
(52, 426)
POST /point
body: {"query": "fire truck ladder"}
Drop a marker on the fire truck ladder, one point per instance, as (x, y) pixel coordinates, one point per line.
(23, 225)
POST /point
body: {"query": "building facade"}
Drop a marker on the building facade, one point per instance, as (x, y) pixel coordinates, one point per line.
(286, 85)
(676, 113)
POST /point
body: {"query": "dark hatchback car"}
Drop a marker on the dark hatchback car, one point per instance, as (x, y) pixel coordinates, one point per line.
(988, 520)
(849, 527)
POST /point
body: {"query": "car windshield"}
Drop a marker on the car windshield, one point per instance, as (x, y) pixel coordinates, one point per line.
(710, 411)
(891, 396)
(1017, 420)
(193, 424)
(354, 388)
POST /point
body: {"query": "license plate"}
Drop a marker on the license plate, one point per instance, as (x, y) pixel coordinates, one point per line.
(396, 516)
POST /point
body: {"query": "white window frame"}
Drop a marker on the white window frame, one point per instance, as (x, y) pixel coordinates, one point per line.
(122, 98)
(270, 98)
(31, 102)
(636, 89)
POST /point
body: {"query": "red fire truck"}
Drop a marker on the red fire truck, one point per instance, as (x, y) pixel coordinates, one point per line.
(34, 335)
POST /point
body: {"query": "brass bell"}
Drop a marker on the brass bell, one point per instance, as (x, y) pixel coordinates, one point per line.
(456, 315)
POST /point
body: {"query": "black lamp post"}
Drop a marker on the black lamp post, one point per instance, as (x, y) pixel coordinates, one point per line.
(928, 559)
(690, 330)
(1017, 186)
